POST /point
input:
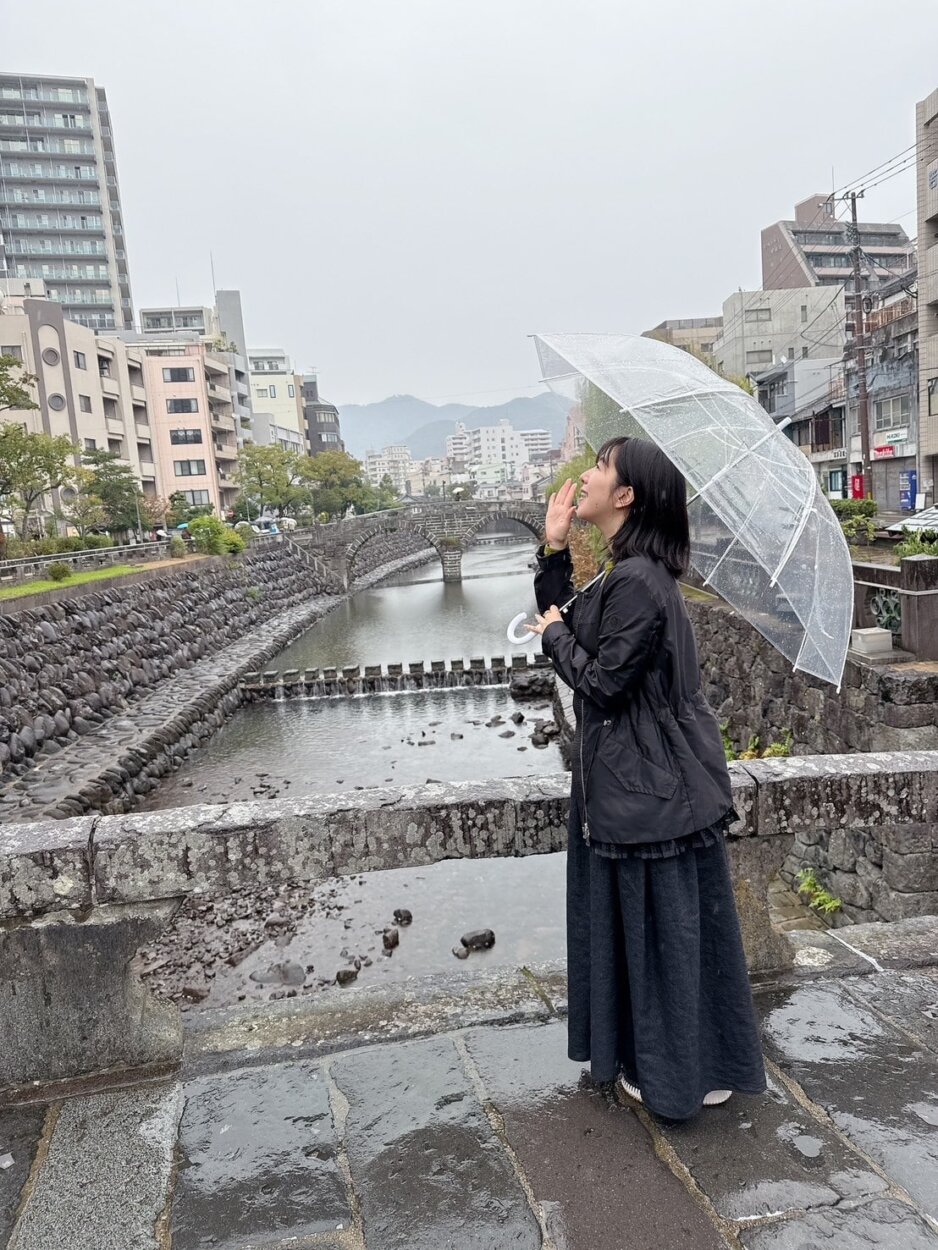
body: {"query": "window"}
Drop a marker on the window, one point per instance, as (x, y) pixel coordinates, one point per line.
(329, 438)
(178, 375)
(185, 436)
(104, 367)
(196, 496)
(889, 414)
(80, 360)
(291, 390)
(189, 468)
(91, 444)
(115, 446)
(325, 418)
(933, 397)
(273, 391)
(181, 405)
(262, 392)
(13, 350)
(758, 314)
(804, 353)
(84, 403)
(804, 312)
(759, 358)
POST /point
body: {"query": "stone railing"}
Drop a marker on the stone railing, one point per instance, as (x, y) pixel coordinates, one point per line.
(27, 568)
(321, 683)
(78, 898)
(902, 599)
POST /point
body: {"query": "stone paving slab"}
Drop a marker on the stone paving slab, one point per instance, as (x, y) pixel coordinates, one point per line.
(908, 999)
(879, 1225)
(879, 1087)
(105, 1180)
(587, 1159)
(258, 1160)
(913, 945)
(766, 1156)
(20, 1131)
(427, 1166)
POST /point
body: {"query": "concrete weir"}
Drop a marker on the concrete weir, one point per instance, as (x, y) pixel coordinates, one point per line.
(79, 897)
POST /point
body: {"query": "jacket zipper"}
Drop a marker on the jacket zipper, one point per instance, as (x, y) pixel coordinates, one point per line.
(586, 823)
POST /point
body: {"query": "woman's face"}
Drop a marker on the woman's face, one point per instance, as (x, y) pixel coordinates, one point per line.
(602, 499)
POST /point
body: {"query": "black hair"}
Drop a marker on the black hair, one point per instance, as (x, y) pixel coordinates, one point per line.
(657, 524)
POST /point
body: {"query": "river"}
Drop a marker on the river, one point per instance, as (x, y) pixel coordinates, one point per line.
(316, 746)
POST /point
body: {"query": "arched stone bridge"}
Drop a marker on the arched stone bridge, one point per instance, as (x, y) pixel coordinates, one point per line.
(449, 528)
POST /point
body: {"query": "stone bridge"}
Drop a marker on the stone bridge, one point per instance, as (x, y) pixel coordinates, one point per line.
(448, 528)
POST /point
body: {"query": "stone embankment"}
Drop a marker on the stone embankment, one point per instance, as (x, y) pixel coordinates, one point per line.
(752, 687)
(134, 679)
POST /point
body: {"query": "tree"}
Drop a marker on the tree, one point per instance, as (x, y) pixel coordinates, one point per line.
(335, 479)
(154, 510)
(115, 485)
(210, 535)
(272, 478)
(15, 385)
(31, 465)
(82, 509)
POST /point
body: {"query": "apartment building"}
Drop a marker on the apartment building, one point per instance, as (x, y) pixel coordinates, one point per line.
(396, 463)
(761, 328)
(221, 328)
(815, 249)
(90, 387)
(192, 417)
(694, 334)
(60, 212)
(320, 418)
(538, 443)
(276, 400)
(926, 120)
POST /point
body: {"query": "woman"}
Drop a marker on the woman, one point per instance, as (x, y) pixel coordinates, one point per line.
(659, 994)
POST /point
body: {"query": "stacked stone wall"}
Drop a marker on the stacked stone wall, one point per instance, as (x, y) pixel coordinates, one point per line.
(67, 667)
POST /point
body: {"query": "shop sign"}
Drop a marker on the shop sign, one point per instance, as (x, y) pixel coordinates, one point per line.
(883, 453)
(897, 436)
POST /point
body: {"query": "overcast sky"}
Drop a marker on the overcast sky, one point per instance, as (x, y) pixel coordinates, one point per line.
(403, 190)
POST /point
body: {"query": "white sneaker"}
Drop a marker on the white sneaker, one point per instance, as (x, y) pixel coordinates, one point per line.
(630, 1091)
(717, 1097)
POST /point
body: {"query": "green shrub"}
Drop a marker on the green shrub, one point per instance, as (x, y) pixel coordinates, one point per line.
(844, 508)
(177, 548)
(917, 543)
(45, 546)
(254, 594)
(95, 541)
(858, 529)
(244, 531)
(819, 899)
(59, 571)
(209, 535)
(234, 543)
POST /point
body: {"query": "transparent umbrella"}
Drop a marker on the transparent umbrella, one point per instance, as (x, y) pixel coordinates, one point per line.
(763, 536)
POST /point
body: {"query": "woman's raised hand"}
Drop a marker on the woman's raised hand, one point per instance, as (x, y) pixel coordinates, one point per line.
(561, 508)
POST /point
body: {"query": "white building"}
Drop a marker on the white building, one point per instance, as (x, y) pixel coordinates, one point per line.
(276, 399)
(538, 442)
(396, 463)
(760, 328)
(459, 444)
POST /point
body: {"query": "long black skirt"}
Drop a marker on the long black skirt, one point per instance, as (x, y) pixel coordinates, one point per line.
(658, 988)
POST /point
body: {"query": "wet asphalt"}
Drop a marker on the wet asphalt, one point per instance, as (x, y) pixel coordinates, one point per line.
(485, 1136)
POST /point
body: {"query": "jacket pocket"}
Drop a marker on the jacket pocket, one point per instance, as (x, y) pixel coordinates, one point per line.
(635, 772)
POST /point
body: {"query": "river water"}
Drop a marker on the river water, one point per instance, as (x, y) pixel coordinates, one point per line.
(322, 746)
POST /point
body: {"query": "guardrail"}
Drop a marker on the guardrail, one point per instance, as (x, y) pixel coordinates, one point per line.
(27, 568)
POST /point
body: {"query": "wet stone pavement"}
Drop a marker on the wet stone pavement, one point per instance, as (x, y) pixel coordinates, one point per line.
(392, 1125)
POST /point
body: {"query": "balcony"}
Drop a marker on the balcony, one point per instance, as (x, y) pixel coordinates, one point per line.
(222, 421)
(225, 451)
(110, 386)
(138, 392)
(115, 424)
(218, 393)
(147, 471)
(144, 434)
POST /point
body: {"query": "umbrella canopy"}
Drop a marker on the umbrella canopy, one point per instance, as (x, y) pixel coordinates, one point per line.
(763, 536)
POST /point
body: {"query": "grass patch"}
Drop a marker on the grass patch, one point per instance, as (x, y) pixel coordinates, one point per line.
(22, 589)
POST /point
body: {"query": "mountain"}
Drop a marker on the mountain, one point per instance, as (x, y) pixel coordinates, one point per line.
(423, 427)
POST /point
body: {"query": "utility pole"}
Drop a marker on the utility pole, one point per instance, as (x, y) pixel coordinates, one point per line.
(859, 340)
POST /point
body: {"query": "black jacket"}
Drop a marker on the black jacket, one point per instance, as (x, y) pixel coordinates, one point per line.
(651, 763)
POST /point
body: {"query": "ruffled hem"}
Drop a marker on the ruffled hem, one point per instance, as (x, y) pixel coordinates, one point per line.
(667, 849)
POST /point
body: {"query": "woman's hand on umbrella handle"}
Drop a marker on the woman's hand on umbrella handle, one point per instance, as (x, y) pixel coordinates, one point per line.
(550, 617)
(561, 508)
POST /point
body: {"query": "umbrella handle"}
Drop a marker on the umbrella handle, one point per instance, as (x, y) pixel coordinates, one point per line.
(513, 636)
